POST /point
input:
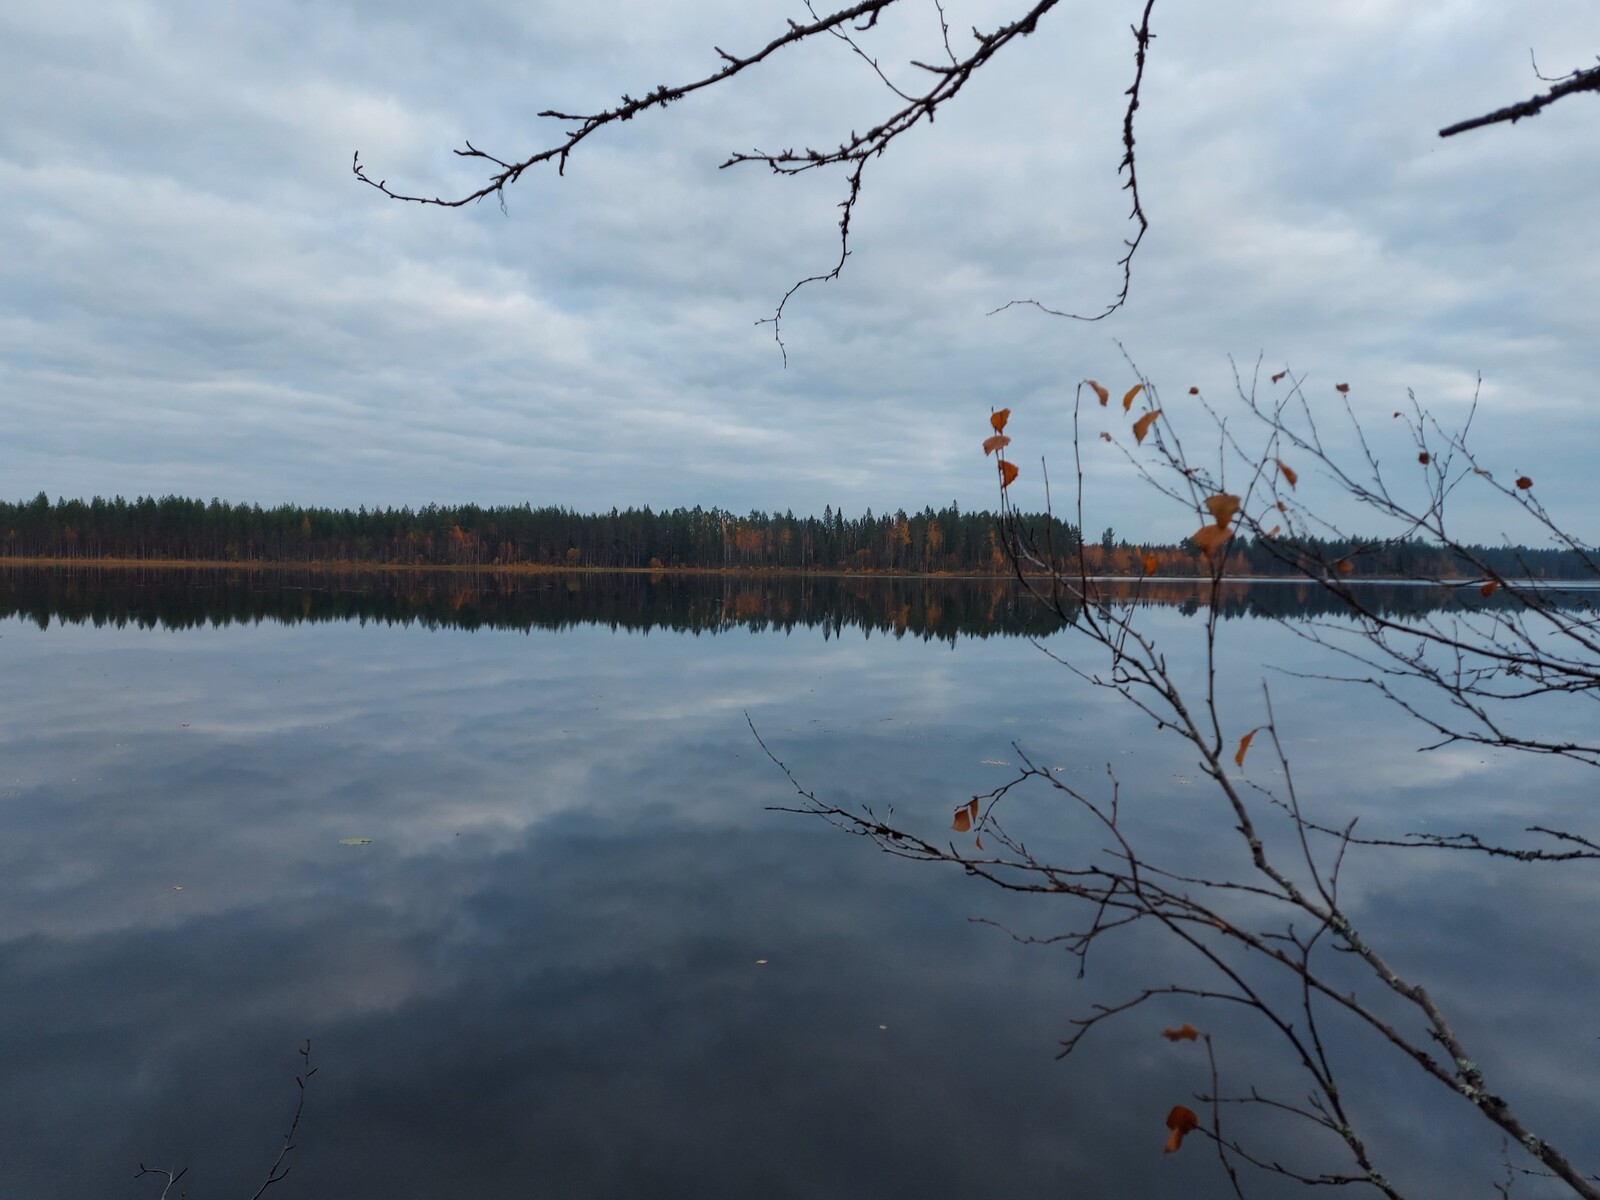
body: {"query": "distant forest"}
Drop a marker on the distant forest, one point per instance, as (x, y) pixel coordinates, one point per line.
(945, 540)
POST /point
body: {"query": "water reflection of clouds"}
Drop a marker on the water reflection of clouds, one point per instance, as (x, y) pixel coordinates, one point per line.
(544, 964)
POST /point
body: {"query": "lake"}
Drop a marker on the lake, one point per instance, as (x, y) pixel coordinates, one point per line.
(503, 849)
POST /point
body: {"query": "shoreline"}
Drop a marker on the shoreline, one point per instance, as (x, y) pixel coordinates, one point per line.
(352, 566)
(340, 566)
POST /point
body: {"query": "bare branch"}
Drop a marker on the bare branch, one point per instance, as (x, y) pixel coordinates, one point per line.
(1280, 917)
(1586, 79)
(279, 1170)
(629, 108)
(943, 82)
(1142, 38)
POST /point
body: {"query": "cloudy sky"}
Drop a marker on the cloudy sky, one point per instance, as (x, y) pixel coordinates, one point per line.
(196, 297)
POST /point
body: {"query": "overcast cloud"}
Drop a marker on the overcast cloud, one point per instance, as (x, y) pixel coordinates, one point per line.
(196, 296)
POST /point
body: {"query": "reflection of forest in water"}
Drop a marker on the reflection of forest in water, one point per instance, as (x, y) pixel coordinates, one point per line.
(921, 607)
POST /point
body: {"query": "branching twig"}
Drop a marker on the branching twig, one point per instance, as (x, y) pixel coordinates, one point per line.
(1586, 79)
(943, 81)
(1142, 39)
(1275, 919)
(279, 1170)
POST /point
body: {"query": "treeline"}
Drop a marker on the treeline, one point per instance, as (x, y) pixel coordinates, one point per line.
(468, 535)
(946, 540)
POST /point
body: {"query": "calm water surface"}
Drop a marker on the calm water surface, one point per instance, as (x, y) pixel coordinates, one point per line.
(579, 956)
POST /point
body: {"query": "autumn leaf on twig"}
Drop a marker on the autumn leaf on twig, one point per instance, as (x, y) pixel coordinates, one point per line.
(1222, 508)
(1180, 1120)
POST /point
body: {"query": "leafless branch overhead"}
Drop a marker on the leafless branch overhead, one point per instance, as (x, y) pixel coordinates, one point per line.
(1585, 80)
(913, 104)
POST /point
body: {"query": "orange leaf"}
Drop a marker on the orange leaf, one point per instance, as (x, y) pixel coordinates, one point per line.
(1273, 532)
(1008, 472)
(1287, 472)
(1343, 566)
(1100, 391)
(998, 419)
(1488, 589)
(1279, 376)
(1244, 746)
(1524, 482)
(1104, 436)
(962, 822)
(1209, 537)
(1142, 425)
(1127, 399)
(1183, 1033)
(1194, 391)
(1282, 507)
(1151, 562)
(1424, 458)
(1341, 388)
(1180, 1120)
(998, 442)
(980, 842)
(1222, 506)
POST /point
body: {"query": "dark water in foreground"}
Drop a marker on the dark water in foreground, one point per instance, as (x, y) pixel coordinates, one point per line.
(578, 956)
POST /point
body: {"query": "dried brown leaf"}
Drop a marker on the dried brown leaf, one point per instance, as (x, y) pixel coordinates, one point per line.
(1222, 507)
(1209, 537)
(1180, 1120)
(1244, 746)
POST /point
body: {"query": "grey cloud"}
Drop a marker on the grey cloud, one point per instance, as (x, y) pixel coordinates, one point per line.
(205, 301)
